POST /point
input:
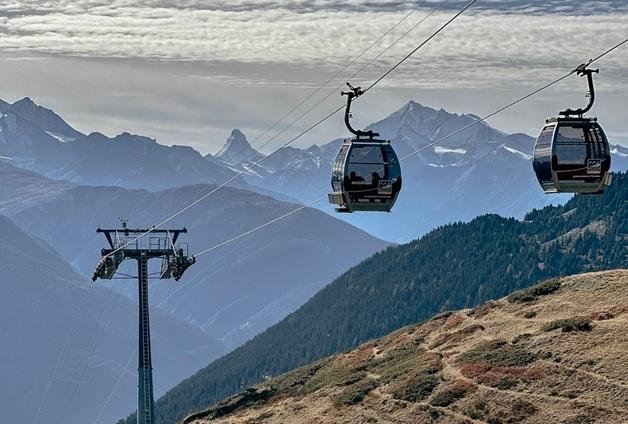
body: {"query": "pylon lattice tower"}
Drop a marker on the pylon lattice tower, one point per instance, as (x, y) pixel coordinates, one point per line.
(142, 245)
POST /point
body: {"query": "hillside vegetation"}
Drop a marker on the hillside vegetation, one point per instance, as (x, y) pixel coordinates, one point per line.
(455, 266)
(556, 353)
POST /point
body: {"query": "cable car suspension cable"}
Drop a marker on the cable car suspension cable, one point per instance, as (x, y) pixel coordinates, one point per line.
(293, 139)
(367, 64)
(63, 351)
(330, 79)
(409, 55)
(500, 110)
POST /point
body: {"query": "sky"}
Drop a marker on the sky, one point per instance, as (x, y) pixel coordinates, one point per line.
(187, 72)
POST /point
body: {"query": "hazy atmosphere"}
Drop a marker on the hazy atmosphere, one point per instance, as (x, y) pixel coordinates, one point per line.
(188, 72)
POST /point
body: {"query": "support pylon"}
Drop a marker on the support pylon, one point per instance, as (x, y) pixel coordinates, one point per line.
(124, 244)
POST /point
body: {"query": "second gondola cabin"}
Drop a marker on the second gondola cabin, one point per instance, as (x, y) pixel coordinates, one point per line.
(572, 154)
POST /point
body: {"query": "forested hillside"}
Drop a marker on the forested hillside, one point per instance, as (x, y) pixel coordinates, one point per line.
(454, 266)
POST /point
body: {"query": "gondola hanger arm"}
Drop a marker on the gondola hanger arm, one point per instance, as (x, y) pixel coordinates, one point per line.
(583, 70)
(353, 94)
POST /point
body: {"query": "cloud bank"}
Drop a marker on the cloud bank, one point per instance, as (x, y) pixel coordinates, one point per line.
(268, 50)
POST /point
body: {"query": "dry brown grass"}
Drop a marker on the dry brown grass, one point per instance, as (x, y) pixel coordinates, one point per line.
(501, 362)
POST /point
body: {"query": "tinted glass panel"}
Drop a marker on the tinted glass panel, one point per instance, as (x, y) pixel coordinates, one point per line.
(570, 135)
(571, 154)
(545, 138)
(571, 146)
(366, 154)
(394, 168)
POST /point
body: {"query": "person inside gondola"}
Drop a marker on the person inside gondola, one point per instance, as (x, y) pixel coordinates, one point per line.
(375, 179)
(348, 186)
(355, 178)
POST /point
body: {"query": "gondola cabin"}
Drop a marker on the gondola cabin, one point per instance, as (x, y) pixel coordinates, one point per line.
(366, 176)
(572, 155)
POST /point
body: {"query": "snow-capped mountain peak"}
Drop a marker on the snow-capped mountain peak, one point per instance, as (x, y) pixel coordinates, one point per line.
(238, 150)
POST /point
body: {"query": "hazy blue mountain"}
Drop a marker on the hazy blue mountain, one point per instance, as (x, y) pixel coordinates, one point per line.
(232, 293)
(37, 139)
(20, 188)
(44, 118)
(41, 294)
(481, 170)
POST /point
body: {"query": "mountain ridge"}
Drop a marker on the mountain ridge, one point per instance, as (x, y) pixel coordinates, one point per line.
(482, 169)
(37, 139)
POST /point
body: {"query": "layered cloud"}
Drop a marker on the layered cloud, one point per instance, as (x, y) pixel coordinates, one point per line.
(323, 34)
(285, 48)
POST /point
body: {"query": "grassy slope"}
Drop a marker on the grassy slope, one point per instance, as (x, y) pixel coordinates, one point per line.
(554, 354)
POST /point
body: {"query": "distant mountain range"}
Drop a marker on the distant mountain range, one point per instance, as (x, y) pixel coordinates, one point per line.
(37, 139)
(455, 266)
(481, 170)
(41, 295)
(553, 353)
